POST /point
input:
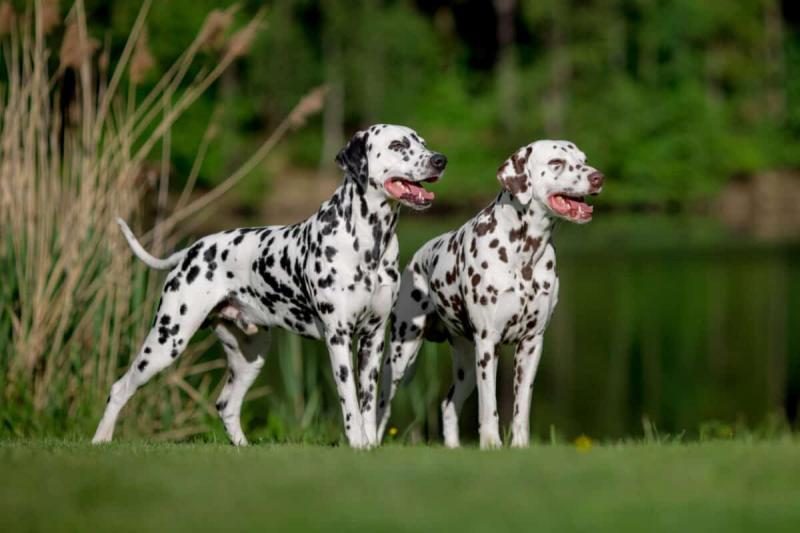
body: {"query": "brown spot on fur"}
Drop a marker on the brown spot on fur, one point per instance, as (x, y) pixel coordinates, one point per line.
(482, 228)
(516, 184)
(519, 163)
(527, 272)
(531, 244)
(517, 233)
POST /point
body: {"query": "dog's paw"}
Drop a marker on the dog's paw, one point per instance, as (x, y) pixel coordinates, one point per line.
(519, 442)
(520, 437)
(451, 439)
(101, 439)
(490, 442)
(239, 440)
(359, 441)
(452, 443)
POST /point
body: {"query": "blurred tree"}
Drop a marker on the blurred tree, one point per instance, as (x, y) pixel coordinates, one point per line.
(507, 78)
(336, 24)
(672, 98)
(774, 58)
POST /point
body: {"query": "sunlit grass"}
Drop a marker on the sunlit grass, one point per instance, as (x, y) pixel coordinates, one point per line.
(136, 486)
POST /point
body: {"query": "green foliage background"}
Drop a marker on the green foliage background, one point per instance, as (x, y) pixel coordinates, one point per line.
(671, 318)
(671, 98)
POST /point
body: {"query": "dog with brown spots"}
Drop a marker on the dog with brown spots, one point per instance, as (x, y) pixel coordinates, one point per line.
(490, 282)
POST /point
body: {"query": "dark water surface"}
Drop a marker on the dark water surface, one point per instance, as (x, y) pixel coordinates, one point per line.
(668, 319)
(671, 319)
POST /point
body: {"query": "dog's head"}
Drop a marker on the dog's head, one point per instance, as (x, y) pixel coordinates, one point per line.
(395, 161)
(555, 175)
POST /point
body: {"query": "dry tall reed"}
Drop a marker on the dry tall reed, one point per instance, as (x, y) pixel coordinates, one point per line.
(73, 304)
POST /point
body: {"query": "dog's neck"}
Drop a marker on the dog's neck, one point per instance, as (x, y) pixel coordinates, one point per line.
(532, 221)
(368, 216)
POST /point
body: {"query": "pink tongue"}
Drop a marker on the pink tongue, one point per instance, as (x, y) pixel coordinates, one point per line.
(419, 192)
(408, 191)
(569, 207)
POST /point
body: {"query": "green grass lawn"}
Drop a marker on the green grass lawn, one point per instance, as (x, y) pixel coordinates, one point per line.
(713, 486)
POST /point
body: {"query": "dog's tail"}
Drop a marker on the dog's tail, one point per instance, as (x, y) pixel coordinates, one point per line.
(144, 255)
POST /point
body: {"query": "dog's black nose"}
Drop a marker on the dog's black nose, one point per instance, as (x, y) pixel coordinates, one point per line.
(438, 161)
(596, 179)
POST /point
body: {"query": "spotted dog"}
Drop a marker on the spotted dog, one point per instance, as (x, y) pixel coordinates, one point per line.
(491, 282)
(333, 277)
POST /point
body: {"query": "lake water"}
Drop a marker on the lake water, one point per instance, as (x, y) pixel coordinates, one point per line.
(670, 320)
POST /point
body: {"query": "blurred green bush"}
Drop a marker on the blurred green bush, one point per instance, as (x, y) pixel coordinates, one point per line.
(671, 99)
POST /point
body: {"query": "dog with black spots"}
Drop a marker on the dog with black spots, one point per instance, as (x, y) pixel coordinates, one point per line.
(332, 277)
(490, 282)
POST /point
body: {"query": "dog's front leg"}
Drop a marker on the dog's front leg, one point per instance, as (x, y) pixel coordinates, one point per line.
(526, 361)
(486, 376)
(339, 345)
(370, 351)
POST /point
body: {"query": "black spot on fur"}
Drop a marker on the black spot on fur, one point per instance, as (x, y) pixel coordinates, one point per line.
(191, 254)
(210, 253)
(192, 274)
(173, 284)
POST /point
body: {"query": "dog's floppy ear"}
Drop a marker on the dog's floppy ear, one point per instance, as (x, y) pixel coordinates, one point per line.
(514, 176)
(353, 158)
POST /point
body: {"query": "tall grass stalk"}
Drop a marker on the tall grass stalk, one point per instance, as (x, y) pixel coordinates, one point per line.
(73, 304)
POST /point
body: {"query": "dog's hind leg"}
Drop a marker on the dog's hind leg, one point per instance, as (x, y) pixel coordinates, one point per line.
(408, 326)
(462, 387)
(175, 323)
(246, 356)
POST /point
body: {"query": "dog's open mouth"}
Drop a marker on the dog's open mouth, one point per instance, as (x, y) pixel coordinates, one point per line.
(411, 192)
(571, 207)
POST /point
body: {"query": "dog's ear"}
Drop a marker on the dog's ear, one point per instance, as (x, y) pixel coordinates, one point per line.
(514, 175)
(353, 158)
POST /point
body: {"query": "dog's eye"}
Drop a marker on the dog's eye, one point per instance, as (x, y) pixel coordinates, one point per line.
(556, 163)
(399, 145)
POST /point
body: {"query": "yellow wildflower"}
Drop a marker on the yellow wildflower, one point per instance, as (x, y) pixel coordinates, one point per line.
(392, 431)
(583, 443)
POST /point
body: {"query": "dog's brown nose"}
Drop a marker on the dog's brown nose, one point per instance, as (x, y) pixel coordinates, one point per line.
(596, 179)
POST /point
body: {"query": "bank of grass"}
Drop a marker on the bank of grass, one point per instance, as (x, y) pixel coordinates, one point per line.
(136, 486)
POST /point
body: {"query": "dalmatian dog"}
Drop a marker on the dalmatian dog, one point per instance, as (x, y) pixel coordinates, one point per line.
(332, 277)
(490, 282)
